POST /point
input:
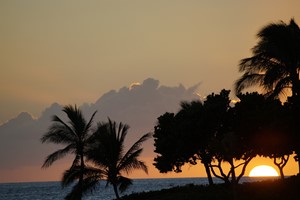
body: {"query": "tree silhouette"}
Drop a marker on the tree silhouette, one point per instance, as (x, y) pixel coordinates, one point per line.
(205, 132)
(74, 135)
(180, 139)
(192, 121)
(107, 152)
(275, 66)
(228, 144)
(275, 63)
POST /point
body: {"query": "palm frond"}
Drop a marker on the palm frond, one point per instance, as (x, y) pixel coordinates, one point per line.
(248, 80)
(276, 56)
(58, 155)
(129, 159)
(59, 132)
(124, 183)
(89, 184)
(76, 119)
(257, 64)
(74, 172)
(281, 86)
(89, 124)
(70, 175)
(75, 194)
(60, 121)
(122, 132)
(132, 163)
(136, 145)
(76, 160)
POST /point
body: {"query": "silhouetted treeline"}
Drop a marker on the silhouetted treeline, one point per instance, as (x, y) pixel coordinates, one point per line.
(217, 131)
(214, 131)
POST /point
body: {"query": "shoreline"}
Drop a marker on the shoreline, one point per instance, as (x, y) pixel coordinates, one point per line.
(274, 189)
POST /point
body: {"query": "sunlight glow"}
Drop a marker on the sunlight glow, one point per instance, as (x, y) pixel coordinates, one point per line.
(263, 171)
(133, 85)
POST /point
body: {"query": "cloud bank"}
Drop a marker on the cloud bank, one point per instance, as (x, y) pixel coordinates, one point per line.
(138, 105)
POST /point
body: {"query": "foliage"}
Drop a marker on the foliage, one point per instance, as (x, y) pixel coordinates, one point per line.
(215, 133)
(104, 148)
(179, 139)
(74, 135)
(107, 152)
(200, 132)
(275, 67)
(275, 63)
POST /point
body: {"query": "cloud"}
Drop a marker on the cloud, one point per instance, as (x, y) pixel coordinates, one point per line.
(138, 105)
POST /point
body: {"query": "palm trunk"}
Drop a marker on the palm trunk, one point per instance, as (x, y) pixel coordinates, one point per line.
(116, 191)
(81, 176)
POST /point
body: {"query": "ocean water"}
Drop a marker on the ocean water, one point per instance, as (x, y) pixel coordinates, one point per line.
(53, 190)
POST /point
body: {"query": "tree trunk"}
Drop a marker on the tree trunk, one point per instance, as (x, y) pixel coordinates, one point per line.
(209, 177)
(281, 173)
(223, 176)
(281, 164)
(116, 191)
(244, 169)
(233, 176)
(81, 176)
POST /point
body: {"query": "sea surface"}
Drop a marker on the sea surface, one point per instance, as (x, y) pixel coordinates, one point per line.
(53, 190)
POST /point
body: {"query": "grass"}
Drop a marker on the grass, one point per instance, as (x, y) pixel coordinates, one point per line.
(288, 189)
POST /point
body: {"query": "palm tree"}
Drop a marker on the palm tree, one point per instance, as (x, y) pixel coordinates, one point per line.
(275, 63)
(275, 67)
(74, 135)
(107, 152)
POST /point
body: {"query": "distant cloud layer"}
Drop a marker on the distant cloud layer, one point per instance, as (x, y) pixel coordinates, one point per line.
(138, 105)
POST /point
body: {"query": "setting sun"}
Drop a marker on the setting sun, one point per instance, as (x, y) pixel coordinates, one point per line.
(263, 171)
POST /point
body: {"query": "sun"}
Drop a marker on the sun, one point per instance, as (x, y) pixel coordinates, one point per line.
(263, 171)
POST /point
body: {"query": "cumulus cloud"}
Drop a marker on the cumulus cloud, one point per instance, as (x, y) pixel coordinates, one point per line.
(138, 105)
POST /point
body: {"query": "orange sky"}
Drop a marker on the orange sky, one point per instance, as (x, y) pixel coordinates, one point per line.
(74, 51)
(32, 174)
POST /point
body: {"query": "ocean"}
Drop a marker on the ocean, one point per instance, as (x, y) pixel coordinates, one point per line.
(53, 190)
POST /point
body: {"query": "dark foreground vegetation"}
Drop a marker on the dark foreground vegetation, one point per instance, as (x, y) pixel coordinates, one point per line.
(287, 189)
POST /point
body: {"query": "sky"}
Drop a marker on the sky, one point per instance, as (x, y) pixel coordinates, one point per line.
(74, 52)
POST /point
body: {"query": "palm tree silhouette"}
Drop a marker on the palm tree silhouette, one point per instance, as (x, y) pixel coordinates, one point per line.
(107, 153)
(74, 135)
(275, 63)
(275, 67)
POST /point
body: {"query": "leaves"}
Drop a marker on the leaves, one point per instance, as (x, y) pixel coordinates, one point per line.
(75, 135)
(107, 153)
(274, 66)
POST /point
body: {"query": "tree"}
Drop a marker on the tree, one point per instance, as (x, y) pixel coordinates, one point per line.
(180, 139)
(199, 132)
(167, 143)
(107, 152)
(275, 63)
(228, 144)
(74, 135)
(275, 67)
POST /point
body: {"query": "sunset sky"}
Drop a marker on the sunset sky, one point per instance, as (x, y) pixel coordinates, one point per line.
(72, 52)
